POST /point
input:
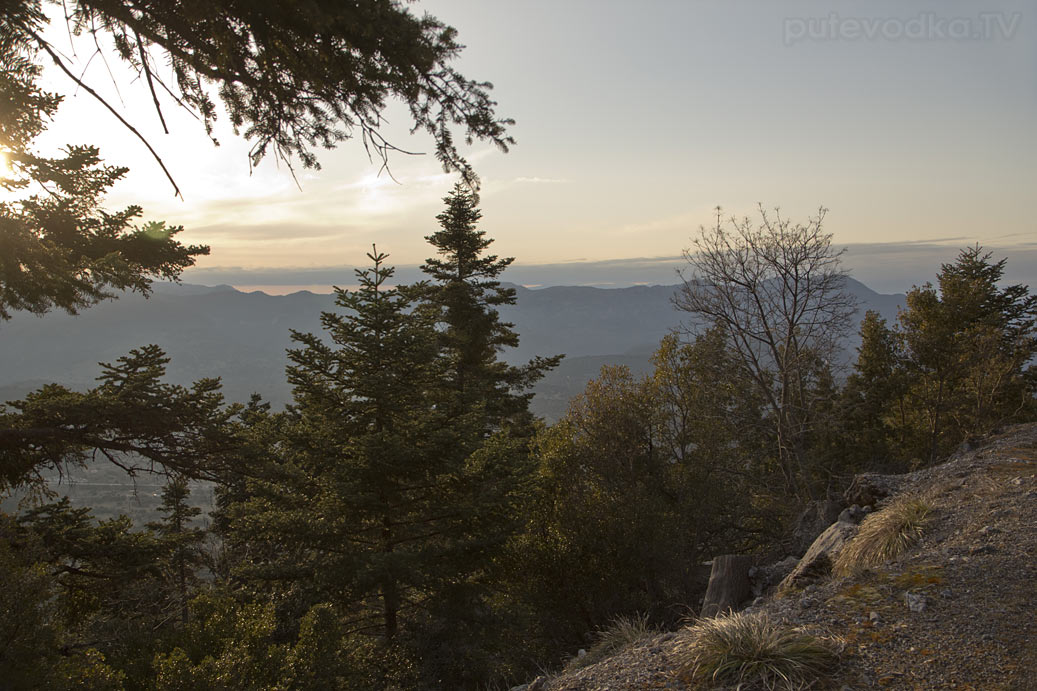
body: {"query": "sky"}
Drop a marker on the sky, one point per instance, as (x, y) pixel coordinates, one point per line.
(911, 122)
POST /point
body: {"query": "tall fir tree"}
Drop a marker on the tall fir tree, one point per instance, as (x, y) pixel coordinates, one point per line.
(181, 540)
(369, 507)
(466, 292)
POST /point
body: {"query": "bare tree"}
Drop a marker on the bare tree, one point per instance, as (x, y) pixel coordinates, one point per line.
(778, 291)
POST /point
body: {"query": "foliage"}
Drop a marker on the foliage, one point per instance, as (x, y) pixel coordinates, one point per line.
(778, 292)
(750, 649)
(884, 535)
(289, 81)
(464, 294)
(29, 630)
(360, 498)
(957, 365)
(59, 248)
(640, 481)
(390, 485)
(131, 418)
(226, 644)
(181, 541)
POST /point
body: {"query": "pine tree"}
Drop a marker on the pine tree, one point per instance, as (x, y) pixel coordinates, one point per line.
(956, 365)
(368, 507)
(466, 291)
(181, 540)
(371, 456)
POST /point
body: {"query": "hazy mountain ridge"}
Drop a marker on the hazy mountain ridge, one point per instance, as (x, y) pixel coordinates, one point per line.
(241, 337)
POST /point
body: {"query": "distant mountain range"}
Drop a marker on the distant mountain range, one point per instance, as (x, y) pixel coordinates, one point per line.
(241, 337)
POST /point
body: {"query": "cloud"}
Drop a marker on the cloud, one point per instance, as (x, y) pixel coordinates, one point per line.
(542, 181)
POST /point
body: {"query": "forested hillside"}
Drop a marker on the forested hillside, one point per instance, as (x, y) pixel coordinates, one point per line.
(242, 337)
(408, 486)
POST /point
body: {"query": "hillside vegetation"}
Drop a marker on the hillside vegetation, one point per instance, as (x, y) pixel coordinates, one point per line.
(407, 522)
(954, 609)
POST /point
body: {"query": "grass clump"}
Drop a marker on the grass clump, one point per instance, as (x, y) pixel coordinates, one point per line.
(752, 651)
(884, 535)
(622, 633)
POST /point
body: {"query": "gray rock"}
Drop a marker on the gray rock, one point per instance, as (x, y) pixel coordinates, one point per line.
(764, 577)
(852, 514)
(915, 602)
(873, 617)
(870, 488)
(812, 522)
(817, 562)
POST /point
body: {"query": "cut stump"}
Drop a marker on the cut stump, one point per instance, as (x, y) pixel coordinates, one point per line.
(728, 584)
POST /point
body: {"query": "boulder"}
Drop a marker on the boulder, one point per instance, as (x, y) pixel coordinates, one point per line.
(853, 514)
(867, 489)
(764, 577)
(817, 562)
(816, 517)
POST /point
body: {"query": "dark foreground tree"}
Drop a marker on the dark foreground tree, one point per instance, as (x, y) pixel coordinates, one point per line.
(777, 291)
(59, 248)
(291, 77)
(370, 508)
(465, 292)
(131, 418)
(181, 542)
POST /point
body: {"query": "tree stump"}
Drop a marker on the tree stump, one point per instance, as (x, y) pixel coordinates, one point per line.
(728, 584)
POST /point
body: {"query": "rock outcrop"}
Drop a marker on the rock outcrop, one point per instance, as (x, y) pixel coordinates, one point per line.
(817, 562)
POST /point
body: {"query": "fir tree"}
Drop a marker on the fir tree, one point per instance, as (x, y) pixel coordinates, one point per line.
(465, 292)
(181, 540)
(956, 365)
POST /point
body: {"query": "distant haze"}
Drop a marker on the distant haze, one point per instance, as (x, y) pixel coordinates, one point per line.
(242, 337)
(884, 267)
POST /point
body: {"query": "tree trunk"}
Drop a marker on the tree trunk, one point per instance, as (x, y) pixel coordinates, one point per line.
(728, 584)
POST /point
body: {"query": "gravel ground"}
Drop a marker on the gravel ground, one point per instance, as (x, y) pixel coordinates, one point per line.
(957, 611)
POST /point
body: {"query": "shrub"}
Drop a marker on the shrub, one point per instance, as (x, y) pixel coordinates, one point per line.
(622, 633)
(884, 535)
(752, 651)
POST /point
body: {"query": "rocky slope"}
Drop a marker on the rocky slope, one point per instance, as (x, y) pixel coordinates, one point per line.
(956, 610)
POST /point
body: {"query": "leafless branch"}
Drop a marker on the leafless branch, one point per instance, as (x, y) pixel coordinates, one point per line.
(57, 61)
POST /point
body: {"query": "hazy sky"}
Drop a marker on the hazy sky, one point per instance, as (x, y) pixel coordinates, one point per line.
(910, 121)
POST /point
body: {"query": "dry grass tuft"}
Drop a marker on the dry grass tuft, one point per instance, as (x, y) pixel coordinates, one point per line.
(752, 651)
(884, 535)
(622, 633)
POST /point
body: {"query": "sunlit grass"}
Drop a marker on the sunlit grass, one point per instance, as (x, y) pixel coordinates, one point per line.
(622, 633)
(884, 535)
(752, 651)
